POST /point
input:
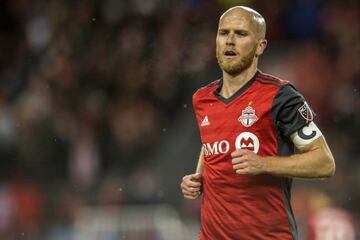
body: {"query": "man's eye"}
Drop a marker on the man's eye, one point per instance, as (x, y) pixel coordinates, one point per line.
(242, 34)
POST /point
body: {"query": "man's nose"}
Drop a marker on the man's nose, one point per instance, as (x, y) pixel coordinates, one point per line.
(230, 40)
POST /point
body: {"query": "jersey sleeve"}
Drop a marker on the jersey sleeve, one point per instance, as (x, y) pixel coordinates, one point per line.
(290, 110)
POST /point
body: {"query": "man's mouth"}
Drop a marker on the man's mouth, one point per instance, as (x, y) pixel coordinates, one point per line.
(230, 53)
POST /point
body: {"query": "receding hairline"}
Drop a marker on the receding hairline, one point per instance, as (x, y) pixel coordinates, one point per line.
(257, 20)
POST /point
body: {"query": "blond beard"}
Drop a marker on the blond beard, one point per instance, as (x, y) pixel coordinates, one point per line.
(235, 68)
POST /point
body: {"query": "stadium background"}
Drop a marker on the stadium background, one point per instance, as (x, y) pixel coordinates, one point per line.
(96, 124)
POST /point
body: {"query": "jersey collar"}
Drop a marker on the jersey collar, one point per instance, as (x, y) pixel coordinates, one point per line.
(237, 93)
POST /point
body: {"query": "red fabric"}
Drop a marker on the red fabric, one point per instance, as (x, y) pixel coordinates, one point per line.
(239, 207)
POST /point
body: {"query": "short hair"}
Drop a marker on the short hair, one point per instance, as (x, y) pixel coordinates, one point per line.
(258, 21)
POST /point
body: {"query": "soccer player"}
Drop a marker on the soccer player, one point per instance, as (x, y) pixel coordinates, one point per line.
(257, 133)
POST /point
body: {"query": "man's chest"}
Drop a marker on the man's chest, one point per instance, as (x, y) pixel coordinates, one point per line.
(246, 123)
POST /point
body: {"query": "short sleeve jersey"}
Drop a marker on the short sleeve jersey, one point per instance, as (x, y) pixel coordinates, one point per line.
(260, 117)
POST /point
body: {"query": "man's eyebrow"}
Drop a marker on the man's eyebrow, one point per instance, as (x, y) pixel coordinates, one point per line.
(235, 30)
(241, 30)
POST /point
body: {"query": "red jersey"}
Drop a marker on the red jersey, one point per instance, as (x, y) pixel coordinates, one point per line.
(260, 117)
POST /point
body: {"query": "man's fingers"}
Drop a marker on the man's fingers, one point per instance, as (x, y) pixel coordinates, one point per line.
(243, 171)
(191, 195)
(196, 176)
(240, 166)
(240, 152)
(191, 185)
(238, 160)
(196, 189)
(190, 189)
(187, 192)
(191, 180)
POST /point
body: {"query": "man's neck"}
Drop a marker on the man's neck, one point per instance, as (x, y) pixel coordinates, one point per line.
(231, 84)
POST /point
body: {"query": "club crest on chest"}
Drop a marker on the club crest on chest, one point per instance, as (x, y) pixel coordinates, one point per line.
(248, 116)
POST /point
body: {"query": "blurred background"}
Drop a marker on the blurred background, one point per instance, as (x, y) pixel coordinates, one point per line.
(97, 127)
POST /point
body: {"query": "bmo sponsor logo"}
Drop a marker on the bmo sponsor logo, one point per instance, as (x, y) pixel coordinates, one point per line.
(245, 140)
(216, 147)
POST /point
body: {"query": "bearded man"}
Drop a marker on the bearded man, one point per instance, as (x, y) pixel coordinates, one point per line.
(257, 133)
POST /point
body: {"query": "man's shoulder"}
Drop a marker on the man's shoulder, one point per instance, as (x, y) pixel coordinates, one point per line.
(209, 88)
(268, 79)
(284, 87)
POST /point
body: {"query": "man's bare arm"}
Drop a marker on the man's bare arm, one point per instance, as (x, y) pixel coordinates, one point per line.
(313, 160)
(191, 184)
(200, 164)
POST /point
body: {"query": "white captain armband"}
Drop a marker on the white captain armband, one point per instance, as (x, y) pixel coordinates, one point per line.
(305, 135)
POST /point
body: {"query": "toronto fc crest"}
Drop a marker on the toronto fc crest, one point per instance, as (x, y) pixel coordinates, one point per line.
(248, 117)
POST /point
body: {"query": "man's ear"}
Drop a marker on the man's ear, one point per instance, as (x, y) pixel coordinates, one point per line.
(261, 47)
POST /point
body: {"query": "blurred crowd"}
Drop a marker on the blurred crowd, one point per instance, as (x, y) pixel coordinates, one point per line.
(90, 92)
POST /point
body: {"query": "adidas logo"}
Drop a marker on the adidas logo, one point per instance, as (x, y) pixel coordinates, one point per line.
(205, 122)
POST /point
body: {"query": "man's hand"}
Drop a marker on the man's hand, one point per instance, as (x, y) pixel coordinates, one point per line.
(191, 185)
(246, 162)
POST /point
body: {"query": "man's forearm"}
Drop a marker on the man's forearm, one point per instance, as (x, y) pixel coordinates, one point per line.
(317, 162)
(200, 164)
